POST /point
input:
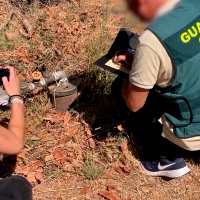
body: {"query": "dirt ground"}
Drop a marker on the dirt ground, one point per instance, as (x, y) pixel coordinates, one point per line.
(60, 158)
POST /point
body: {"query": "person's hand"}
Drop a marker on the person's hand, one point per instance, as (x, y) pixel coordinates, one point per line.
(123, 59)
(12, 86)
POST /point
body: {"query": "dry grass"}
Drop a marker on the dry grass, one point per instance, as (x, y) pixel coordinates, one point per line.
(70, 35)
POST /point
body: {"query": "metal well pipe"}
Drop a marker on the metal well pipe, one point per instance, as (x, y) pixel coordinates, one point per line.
(25, 88)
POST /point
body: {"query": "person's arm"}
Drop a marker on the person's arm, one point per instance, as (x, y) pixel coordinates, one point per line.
(134, 96)
(143, 77)
(12, 139)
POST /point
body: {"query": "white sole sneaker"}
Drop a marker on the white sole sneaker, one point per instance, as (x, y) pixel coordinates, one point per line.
(170, 173)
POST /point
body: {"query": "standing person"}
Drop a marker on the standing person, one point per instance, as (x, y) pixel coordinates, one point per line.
(12, 141)
(165, 73)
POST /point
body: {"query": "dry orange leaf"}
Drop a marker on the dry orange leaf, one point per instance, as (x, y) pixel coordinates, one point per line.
(84, 190)
(44, 135)
(67, 118)
(48, 158)
(120, 128)
(63, 141)
(124, 146)
(60, 155)
(23, 170)
(23, 56)
(22, 154)
(118, 169)
(91, 143)
(40, 170)
(124, 159)
(39, 177)
(36, 165)
(31, 177)
(110, 195)
(127, 169)
(109, 176)
(90, 140)
(72, 130)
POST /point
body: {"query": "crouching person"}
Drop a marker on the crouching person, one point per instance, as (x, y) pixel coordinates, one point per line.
(12, 141)
(165, 76)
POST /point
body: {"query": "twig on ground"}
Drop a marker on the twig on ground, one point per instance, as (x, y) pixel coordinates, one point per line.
(48, 179)
(29, 30)
(60, 189)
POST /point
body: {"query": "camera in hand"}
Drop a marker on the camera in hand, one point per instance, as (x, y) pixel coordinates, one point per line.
(4, 73)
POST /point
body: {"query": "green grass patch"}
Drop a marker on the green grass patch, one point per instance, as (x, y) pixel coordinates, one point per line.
(5, 44)
(48, 40)
(97, 81)
(90, 170)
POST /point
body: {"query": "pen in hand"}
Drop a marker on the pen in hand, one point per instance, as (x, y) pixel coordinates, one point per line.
(124, 58)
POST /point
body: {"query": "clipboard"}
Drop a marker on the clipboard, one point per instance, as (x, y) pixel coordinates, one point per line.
(124, 40)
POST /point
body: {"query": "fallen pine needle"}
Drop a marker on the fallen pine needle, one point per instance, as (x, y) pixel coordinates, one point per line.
(60, 189)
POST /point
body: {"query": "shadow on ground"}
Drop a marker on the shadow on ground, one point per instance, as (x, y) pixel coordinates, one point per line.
(98, 109)
(100, 112)
(7, 165)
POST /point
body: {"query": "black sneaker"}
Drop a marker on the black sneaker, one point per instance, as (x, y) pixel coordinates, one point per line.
(165, 167)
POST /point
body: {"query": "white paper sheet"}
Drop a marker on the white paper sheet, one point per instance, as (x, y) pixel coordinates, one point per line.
(110, 63)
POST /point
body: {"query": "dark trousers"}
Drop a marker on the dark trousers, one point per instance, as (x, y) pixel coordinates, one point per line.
(15, 188)
(145, 122)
